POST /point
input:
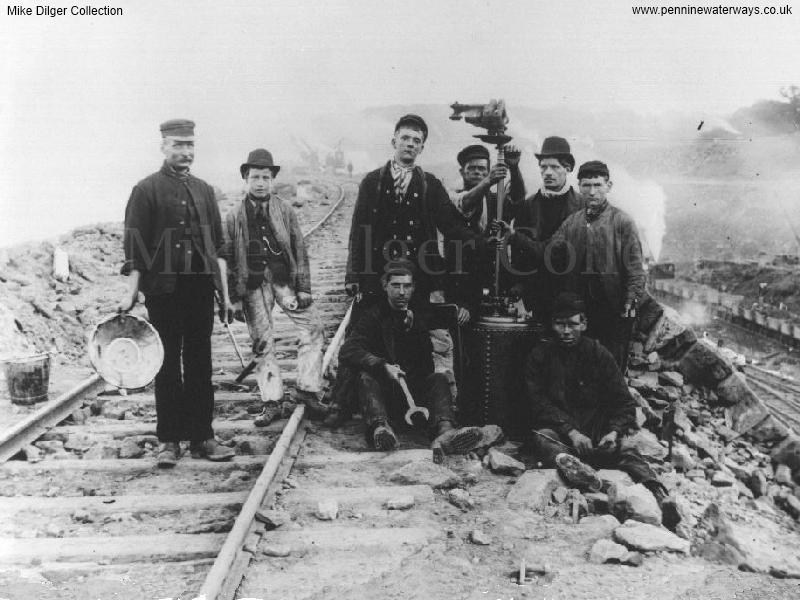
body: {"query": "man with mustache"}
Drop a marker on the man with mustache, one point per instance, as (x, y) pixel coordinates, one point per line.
(173, 233)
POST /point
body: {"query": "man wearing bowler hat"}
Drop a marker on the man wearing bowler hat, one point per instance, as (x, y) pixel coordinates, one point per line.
(173, 232)
(267, 263)
(536, 220)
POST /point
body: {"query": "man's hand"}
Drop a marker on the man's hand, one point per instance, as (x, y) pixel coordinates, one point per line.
(628, 312)
(226, 312)
(394, 372)
(351, 289)
(608, 441)
(501, 227)
(238, 311)
(498, 173)
(512, 155)
(128, 302)
(437, 297)
(304, 299)
(580, 442)
(463, 316)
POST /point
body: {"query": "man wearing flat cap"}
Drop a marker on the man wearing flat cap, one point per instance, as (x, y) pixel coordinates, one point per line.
(599, 250)
(476, 200)
(389, 345)
(399, 209)
(267, 263)
(536, 219)
(173, 232)
(580, 405)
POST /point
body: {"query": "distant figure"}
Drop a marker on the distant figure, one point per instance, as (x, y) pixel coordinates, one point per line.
(173, 232)
(579, 401)
(268, 263)
(349, 169)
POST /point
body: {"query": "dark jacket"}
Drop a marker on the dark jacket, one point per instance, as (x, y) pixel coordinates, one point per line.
(578, 388)
(365, 258)
(155, 224)
(288, 234)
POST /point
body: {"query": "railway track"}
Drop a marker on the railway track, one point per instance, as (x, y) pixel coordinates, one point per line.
(95, 517)
(781, 394)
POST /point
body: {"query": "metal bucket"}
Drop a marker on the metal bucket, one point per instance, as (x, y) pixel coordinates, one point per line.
(494, 389)
(28, 378)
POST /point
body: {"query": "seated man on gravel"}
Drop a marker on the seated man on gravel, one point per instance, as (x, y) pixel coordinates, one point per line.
(390, 345)
(580, 404)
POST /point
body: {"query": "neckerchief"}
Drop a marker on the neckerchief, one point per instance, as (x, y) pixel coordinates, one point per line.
(402, 178)
(550, 193)
(260, 204)
(593, 213)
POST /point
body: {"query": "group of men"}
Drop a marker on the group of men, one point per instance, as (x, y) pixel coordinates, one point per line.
(573, 259)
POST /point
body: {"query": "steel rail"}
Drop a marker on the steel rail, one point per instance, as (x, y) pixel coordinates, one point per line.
(49, 415)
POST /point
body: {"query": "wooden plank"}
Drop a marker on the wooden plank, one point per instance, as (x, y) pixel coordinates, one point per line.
(128, 466)
(355, 496)
(112, 504)
(320, 461)
(121, 549)
(342, 537)
(123, 429)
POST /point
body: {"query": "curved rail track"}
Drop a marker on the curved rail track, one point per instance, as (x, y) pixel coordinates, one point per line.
(781, 394)
(96, 508)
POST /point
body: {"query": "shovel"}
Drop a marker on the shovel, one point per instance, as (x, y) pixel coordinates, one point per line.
(412, 408)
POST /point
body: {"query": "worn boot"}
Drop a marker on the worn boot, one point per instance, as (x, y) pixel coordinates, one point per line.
(314, 408)
(383, 438)
(212, 450)
(168, 454)
(452, 440)
(578, 474)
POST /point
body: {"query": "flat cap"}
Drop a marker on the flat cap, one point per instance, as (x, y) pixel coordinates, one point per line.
(178, 127)
(568, 304)
(414, 122)
(593, 168)
(470, 152)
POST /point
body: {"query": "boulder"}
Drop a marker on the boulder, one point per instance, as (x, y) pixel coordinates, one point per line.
(666, 329)
(758, 483)
(614, 477)
(786, 453)
(678, 516)
(703, 365)
(460, 498)
(327, 510)
(101, 452)
(647, 444)
(769, 430)
(606, 551)
(650, 311)
(783, 475)
(600, 525)
(272, 519)
(722, 479)
(503, 464)
(533, 489)
(791, 504)
(634, 502)
(649, 538)
(672, 378)
(424, 472)
(130, 449)
(682, 459)
(479, 538)
(399, 503)
(741, 472)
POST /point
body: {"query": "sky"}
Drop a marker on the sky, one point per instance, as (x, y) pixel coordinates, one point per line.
(81, 97)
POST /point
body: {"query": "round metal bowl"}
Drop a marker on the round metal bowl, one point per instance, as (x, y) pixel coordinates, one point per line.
(126, 351)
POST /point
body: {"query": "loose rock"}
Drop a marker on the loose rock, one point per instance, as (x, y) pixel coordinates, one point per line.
(327, 510)
(423, 472)
(130, 449)
(502, 464)
(783, 475)
(647, 444)
(276, 551)
(635, 502)
(272, 519)
(722, 479)
(479, 538)
(399, 503)
(460, 498)
(604, 551)
(533, 489)
(649, 538)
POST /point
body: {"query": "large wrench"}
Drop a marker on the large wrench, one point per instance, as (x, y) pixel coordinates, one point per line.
(412, 408)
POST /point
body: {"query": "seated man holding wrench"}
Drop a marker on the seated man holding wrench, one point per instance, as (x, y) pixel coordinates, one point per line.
(388, 357)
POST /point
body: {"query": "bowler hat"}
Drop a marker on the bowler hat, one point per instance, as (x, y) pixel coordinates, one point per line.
(177, 127)
(259, 159)
(414, 122)
(470, 152)
(556, 147)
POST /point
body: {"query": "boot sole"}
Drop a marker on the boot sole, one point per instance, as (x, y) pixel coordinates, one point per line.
(464, 441)
(384, 441)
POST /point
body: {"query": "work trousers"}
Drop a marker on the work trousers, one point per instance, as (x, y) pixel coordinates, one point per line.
(382, 400)
(258, 305)
(184, 320)
(606, 326)
(628, 460)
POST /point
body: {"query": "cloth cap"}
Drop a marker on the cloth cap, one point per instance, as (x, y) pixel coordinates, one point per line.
(556, 147)
(400, 266)
(593, 168)
(568, 304)
(414, 122)
(177, 127)
(470, 152)
(260, 159)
